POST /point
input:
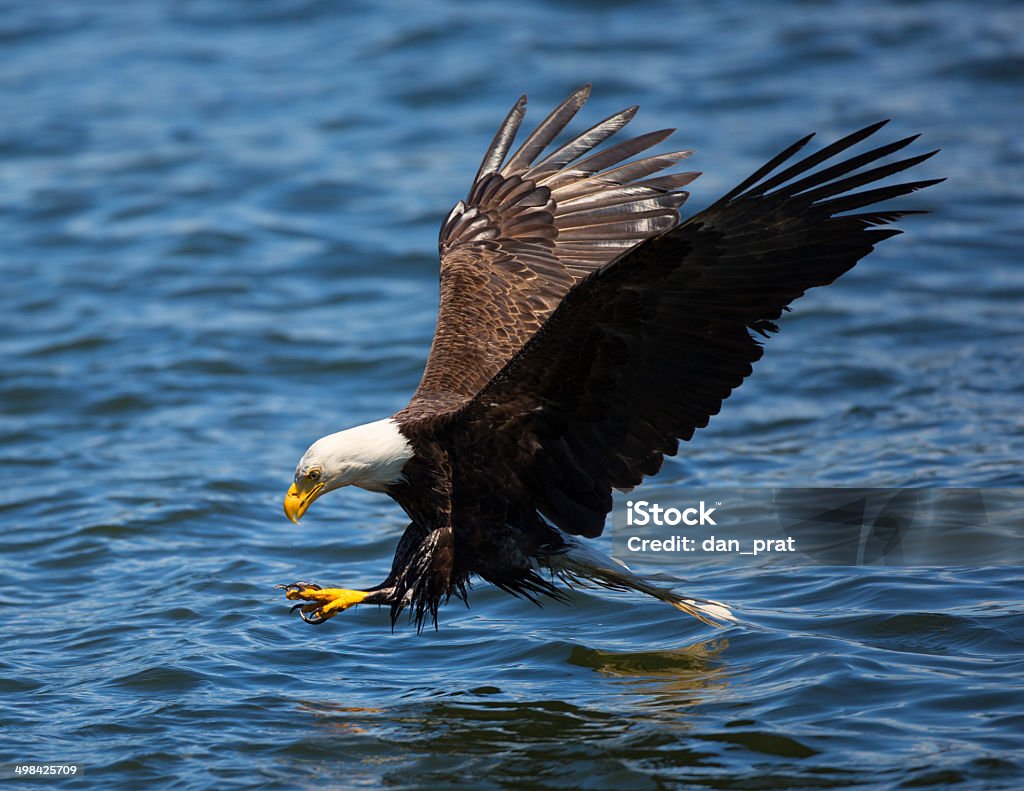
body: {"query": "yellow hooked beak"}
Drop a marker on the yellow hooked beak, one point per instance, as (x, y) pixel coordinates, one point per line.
(299, 499)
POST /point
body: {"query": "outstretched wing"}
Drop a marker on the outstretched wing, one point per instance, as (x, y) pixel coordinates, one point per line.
(530, 228)
(642, 352)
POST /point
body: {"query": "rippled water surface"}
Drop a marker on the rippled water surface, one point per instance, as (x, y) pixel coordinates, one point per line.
(218, 225)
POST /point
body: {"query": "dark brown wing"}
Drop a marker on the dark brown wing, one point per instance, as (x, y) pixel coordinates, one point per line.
(530, 228)
(642, 352)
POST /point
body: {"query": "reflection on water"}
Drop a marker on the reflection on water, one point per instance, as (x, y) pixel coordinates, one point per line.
(662, 680)
(655, 681)
(649, 716)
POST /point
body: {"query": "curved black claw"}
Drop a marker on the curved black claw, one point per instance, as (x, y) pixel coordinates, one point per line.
(313, 618)
(316, 619)
(298, 587)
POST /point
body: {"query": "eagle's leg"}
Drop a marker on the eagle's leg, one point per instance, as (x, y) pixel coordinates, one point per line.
(324, 604)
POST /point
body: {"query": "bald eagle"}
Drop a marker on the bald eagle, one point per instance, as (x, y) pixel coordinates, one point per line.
(582, 332)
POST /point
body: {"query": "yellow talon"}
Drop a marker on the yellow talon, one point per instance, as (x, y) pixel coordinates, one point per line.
(326, 602)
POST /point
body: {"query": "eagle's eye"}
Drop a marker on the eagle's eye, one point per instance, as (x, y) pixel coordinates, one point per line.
(313, 475)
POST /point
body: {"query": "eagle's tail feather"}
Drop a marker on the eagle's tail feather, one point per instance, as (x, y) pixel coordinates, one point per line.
(580, 564)
(713, 613)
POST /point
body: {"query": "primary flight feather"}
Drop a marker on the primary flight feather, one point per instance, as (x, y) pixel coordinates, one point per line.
(582, 332)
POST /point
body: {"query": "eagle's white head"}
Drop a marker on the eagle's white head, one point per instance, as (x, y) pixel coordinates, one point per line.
(370, 457)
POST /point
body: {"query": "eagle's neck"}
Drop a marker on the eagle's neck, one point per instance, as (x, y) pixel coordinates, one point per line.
(370, 456)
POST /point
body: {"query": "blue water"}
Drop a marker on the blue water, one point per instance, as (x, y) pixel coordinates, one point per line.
(218, 225)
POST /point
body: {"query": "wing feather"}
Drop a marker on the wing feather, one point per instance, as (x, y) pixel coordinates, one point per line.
(547, 131)
(585, 142)
(612, 155)
(502, 141)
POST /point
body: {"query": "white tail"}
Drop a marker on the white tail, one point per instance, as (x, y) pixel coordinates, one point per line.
(580, 564)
